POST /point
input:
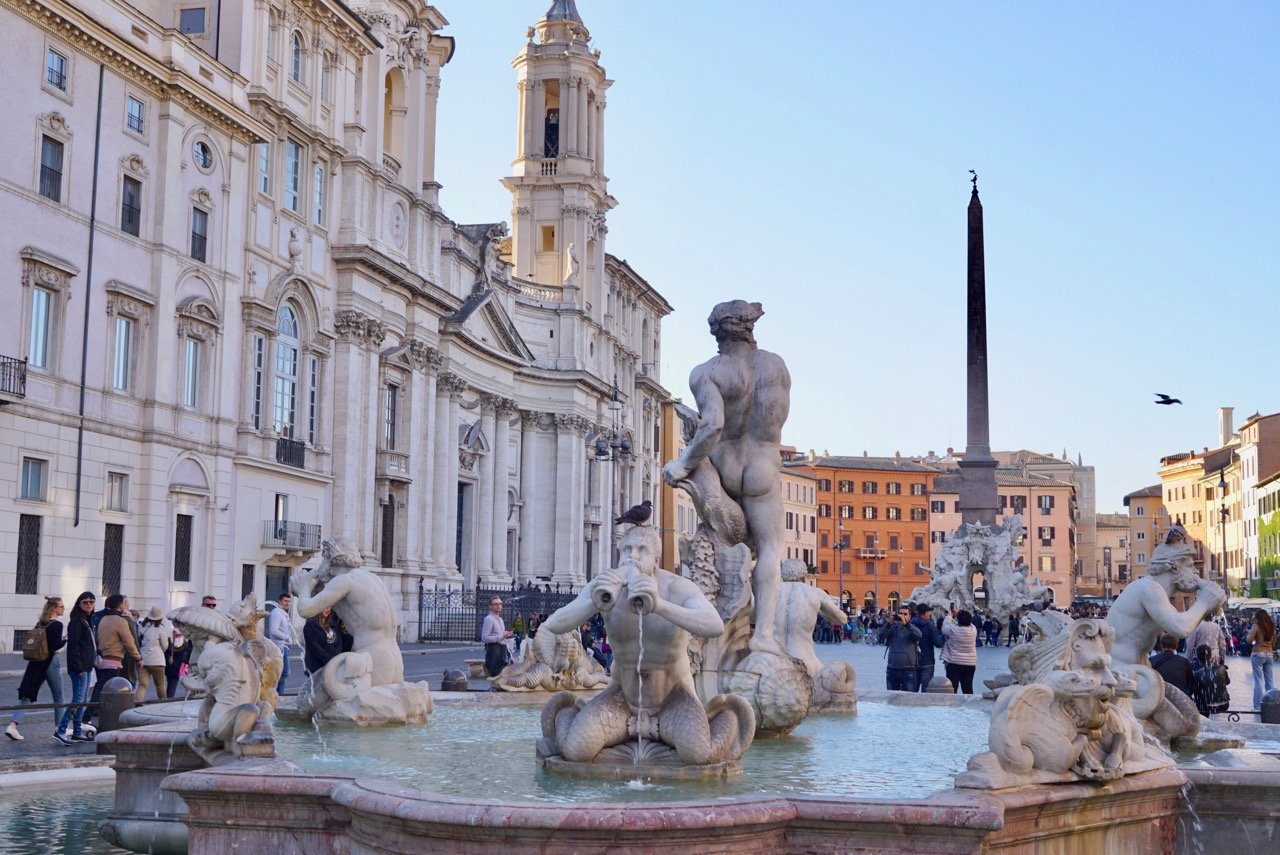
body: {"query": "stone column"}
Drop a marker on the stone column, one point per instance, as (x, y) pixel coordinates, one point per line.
(538, 121)
(522, 120)
(584, 117)
(503, 412)
(570, 430)
(530, 517)
(354, 450)
(568, 116)
(426, 466)
(483, 531)
(453, 386)
(600, 136)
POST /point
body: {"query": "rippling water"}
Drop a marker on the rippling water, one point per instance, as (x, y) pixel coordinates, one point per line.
(64, 822)
(488, 752)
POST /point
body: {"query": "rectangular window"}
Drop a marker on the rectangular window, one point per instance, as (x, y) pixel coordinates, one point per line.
(117, 492)
(122, 366)
(893, 541)
(1046, 563)
(313, 391)
(135, 114)
(182, 548)
(259, 355)
(286, 389)
(55, 70)
(869, 486)
(824, 540)
(1142, 535)
(548, 235)
(51, 168)
(893, 488)
(938, 507)
(870, 568)
(264, 167)
(199, 234)
(893, 513)
(191, 21)
(893, 568)
(131, 206)
(846, 486)
(917, 489)
(1140, 511)
(824, 510)
(326, 79)
(317, 196)
(918, 542)
(846, 512)
(35, 481)
(389, 417)
(1018, 503)
(41, 310)
(791, 520)
(937, 537)
(869, 513)
(1045, 503)
(191, 374)
(28, 554)
(112, 559)
(824, 485)
(918, 515)
(246, 579)
(292, 175)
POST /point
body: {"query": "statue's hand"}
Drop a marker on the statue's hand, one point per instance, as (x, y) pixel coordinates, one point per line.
(301, 582)
(643, 588)
(1212, 594)
(674, 472)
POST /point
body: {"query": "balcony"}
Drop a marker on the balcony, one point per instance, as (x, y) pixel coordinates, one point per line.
(291, 452)
(871, 553)
(391, 167)
(291, 538)
(548, 167)
(13, 379)
(394, 466)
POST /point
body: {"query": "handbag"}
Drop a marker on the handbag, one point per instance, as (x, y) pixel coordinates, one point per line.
(35, 644)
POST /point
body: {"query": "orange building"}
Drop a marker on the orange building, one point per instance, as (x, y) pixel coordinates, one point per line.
(873, 526)
(1148, 525)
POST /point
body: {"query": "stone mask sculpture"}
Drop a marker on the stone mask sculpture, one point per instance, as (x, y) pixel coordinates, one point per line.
(1067, 725)
(650, 713)
(366, 685)
(551, 662)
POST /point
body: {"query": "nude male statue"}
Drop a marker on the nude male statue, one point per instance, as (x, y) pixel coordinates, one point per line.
(652, 691)
(800, 606)
(1143, 609)
(361, 600)
(743, 396)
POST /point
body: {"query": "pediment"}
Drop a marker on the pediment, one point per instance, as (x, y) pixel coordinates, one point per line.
(483, 320)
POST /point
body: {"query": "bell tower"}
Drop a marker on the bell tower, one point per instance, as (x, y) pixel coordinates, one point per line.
(559, 191)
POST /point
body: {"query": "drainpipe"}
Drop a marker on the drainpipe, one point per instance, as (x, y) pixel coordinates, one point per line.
(88, 293)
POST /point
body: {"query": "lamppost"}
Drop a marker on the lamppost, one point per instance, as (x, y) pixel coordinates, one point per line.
(839, 548)
(1223, 513)
(613, 451)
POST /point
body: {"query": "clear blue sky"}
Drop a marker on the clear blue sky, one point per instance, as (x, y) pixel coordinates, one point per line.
(814, 156)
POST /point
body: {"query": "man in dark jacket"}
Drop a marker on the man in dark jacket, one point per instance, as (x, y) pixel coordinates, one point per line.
(1175, 670)
(903, 639)
(930, 640)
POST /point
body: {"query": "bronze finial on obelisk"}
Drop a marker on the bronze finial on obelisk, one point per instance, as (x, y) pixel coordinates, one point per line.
(978, 498)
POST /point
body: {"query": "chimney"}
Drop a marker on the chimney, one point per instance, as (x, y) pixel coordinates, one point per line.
(1225, 430)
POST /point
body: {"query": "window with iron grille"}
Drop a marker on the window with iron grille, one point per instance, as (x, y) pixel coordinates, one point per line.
(134, 114)
(51, 151)
(55, 70)
(199, 234)
(131, 206)
(313, 391)
(259, 357)
(112, 559)
(28, 554)
(246, 580)
(182, 548)
(389, 532)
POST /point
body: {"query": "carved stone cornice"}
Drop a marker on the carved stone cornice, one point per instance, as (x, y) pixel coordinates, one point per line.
(451, 384)
(46, 270)
(566, 422)
(530, 418)
(353, 326)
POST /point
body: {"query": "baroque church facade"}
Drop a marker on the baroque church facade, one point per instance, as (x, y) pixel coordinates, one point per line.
(247, 326)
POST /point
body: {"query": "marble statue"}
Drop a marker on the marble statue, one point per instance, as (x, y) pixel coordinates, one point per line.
(799, 605)
(992, 551)
(234, 670)
(575, 266)
(650, 713)
(1142, 612)
(551, 662)
(731, 469)
(365, 686)
(1066, 725)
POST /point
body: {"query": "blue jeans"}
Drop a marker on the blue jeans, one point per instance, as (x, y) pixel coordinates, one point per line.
(900, 679)
(53, 677)
(284, 672)
(924, 673)
(1261, 663)
(79, 694)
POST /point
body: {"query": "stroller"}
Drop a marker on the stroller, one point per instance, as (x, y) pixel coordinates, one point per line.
(1209, 687)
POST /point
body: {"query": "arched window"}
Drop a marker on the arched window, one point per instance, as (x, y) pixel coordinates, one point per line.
(285, 413)
(295, 57)
(395, 110)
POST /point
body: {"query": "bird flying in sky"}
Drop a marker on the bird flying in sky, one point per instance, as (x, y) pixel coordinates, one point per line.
(1162, 398)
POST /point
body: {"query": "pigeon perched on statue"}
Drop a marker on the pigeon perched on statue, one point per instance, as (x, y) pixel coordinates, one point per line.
(639, 515)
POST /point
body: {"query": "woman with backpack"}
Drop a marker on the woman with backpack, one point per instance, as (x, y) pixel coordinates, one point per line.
(43, 664)
(82, 650)
(1262, 638)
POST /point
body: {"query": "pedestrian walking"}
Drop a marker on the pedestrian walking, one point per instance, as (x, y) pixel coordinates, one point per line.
(40, 650)
(1262, 637)
(82, 650)
(155, 642)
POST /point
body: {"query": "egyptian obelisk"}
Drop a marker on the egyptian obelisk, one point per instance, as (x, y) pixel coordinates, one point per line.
(978, 499)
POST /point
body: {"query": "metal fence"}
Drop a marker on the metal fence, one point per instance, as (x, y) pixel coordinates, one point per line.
(457, 615)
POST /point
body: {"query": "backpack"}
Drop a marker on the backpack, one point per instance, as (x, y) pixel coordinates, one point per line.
(1210, 689)
(35, 644)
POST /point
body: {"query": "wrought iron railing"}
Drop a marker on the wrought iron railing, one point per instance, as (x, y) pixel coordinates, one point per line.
(291, 452)
(282, 534)
(13, 376)
(457, 615)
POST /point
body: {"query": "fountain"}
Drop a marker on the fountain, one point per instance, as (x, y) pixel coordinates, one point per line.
(1068, 766)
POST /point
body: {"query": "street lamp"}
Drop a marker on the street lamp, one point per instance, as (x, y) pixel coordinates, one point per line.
(839, 547)
(1222, 524)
